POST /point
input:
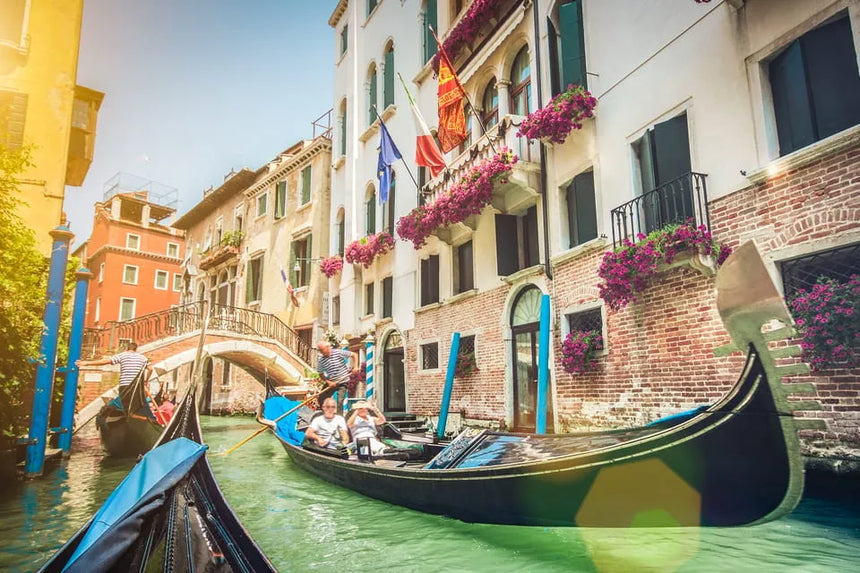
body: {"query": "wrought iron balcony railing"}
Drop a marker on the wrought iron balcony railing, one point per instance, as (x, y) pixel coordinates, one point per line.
(678, 201)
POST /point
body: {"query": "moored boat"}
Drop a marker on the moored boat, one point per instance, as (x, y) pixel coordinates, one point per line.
(128, 430)
(735, 462)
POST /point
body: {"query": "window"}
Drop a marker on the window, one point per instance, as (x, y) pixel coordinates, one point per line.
(491, 105)
(98, 309)
(371, 96)
(464, 145)
(129, 274)
(815, 85)
(368, 298)
(430, 280)
(306, 185)
(225, 375)
(12, 22)
(662, 158)
(132, 242)
(429, 20)
(464, 274)
(238, 219)
(581, 209)
(456, 7)
(388, 207)
(161, 278)
(803, 273)
(254, 280)
(280, 199)
(173, 250)
(521, 89)
(344, 39)
(387, 296)
(177, 282)
(341, 232)
(300, 262)
(126, 308)
(516, 242)
(343, 127)
(388, 78)
(370, 212)
(101, 272)
(262, 204)
(371, 4)
(467, 345)
(13, 113)
(335, 310)
(587, 321)
(430, 356)
(422, 181)
(566, 46)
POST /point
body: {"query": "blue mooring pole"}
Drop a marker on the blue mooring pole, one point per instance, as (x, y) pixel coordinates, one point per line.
(449, 385)
(543, 366)
(76, 338)
(38, 436)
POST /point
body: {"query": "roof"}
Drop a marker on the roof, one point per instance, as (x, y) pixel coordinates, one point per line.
(213, 200)
(337, 13)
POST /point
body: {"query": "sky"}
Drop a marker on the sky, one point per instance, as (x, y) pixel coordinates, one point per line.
(195, 88)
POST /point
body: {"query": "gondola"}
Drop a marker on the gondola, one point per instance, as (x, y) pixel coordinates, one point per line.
(128, 430)
(167, 512)
(735, 462)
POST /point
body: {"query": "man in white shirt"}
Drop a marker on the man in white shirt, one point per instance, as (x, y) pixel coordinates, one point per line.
(329, 430)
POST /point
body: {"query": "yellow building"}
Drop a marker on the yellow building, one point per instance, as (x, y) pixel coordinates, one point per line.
(42, 106)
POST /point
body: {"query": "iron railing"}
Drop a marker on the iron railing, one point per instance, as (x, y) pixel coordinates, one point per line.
(188, 318)
(678, 201)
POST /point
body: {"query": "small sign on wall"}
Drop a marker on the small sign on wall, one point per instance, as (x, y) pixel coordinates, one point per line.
(325, 309)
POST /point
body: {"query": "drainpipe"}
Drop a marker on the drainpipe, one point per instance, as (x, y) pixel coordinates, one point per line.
(539, 102)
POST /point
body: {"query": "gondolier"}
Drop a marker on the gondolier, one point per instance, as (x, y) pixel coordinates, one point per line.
(131, 364)
(334, 367)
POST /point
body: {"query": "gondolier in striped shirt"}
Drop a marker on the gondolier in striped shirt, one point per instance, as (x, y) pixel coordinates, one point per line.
(131, 364)
(334, 367)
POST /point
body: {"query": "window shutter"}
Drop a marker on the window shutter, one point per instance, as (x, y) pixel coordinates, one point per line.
(306, 184)
(530, 235)
(572, 45)
(388, 77)
(507, 246)
(13, 113)
(554, 67)
(341, 235)
(465, 267)
(292, 268)
(306, 279)
(425, 283)
(791, 100)
(370, 207)
(280, 199)
(433, 267)
(672, 149)
(387, 287)
(372, 99)
(343, 132)
(430, 47)
(584, 215)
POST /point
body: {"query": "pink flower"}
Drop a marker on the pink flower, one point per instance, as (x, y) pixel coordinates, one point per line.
(330, 266)
(563, 114)
(366, 249)
(578, 350)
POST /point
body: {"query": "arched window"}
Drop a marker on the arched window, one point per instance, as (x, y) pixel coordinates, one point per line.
(388, 206)
(526, 308)
(521, 88)
(464, 145)
(371, 96)
(341, 231)
(388, 79)
(370, 211)
(491, 104)
(343, 127)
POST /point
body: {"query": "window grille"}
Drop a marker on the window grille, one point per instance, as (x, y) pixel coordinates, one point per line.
(430, 356)
(802, 273)
(586, 321)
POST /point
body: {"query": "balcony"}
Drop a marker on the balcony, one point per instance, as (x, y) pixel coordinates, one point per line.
(82, 137)
(227, 250)
(678, 201)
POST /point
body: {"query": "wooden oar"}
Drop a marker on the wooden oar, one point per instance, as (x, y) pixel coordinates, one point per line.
(264, 428)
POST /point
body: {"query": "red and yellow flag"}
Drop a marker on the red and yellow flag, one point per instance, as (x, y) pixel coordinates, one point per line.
(452, 117)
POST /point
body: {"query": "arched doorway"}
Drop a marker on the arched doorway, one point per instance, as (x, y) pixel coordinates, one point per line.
(525, 329)
(206, 392)
(394, 382)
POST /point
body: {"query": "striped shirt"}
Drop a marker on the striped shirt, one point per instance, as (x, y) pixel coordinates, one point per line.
(334, 367)
(130, 365)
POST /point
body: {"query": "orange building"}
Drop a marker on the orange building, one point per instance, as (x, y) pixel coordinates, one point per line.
(135, 259)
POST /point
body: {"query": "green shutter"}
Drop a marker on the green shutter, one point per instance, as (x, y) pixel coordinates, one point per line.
(586, 211)
(430, 18)
(306, 276)
(343, 133)
(306, 184)
(292, 268)
(280, 199)
(370, 207)
(572, 44)
(554, 67)
(372, 99)
(507, 247)
(388, 86)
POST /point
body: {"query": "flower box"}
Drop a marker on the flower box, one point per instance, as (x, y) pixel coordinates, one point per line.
(564, 113)
(331, 266)
(220, 255)
(365, 250)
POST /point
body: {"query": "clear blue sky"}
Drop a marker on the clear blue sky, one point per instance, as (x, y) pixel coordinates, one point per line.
(194, 88)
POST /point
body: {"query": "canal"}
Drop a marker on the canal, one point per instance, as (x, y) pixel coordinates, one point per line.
(304, 524)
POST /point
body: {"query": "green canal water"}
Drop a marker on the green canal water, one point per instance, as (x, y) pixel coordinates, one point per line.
(304, 524)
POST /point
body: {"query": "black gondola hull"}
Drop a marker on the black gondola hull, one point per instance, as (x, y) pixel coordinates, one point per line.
(126, 436)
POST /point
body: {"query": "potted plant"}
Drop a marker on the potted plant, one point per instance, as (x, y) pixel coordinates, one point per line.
(365, 250)
(564, 113)
(330, 266)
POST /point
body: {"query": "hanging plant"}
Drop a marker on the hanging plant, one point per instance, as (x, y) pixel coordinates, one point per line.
(828, 320)
(579, 349)
(330, 266)
(466, 32)
(628, 269)
(564, 113)
(467, 197)
(366, 249)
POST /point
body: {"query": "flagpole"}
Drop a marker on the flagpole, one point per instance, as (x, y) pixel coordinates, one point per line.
(409, 171)
(444, 54)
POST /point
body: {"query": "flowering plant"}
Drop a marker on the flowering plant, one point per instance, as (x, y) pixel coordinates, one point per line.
(466, 364)
(330, 266)
(578, 350)
(467, 29)
(563, 113)
(628, 269)
(366, 249)
(356, 377)
(828, 318)
(468, 196)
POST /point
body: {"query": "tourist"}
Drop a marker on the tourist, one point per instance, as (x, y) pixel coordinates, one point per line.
(334, 367)
(131, 364)
(363, 425)
(328, 430)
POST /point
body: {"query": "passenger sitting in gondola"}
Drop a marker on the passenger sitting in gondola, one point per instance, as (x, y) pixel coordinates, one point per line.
(166, 408)
(363, 425)
(329, 430)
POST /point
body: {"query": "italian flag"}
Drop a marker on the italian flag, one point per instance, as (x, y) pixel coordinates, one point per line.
(427, 153)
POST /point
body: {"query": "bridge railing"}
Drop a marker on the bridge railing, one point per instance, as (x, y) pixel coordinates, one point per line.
(247, 321)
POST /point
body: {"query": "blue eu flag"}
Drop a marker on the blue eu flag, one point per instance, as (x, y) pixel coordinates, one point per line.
(388, 154)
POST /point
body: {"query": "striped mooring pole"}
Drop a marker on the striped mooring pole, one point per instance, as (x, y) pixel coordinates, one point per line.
(368, 357)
